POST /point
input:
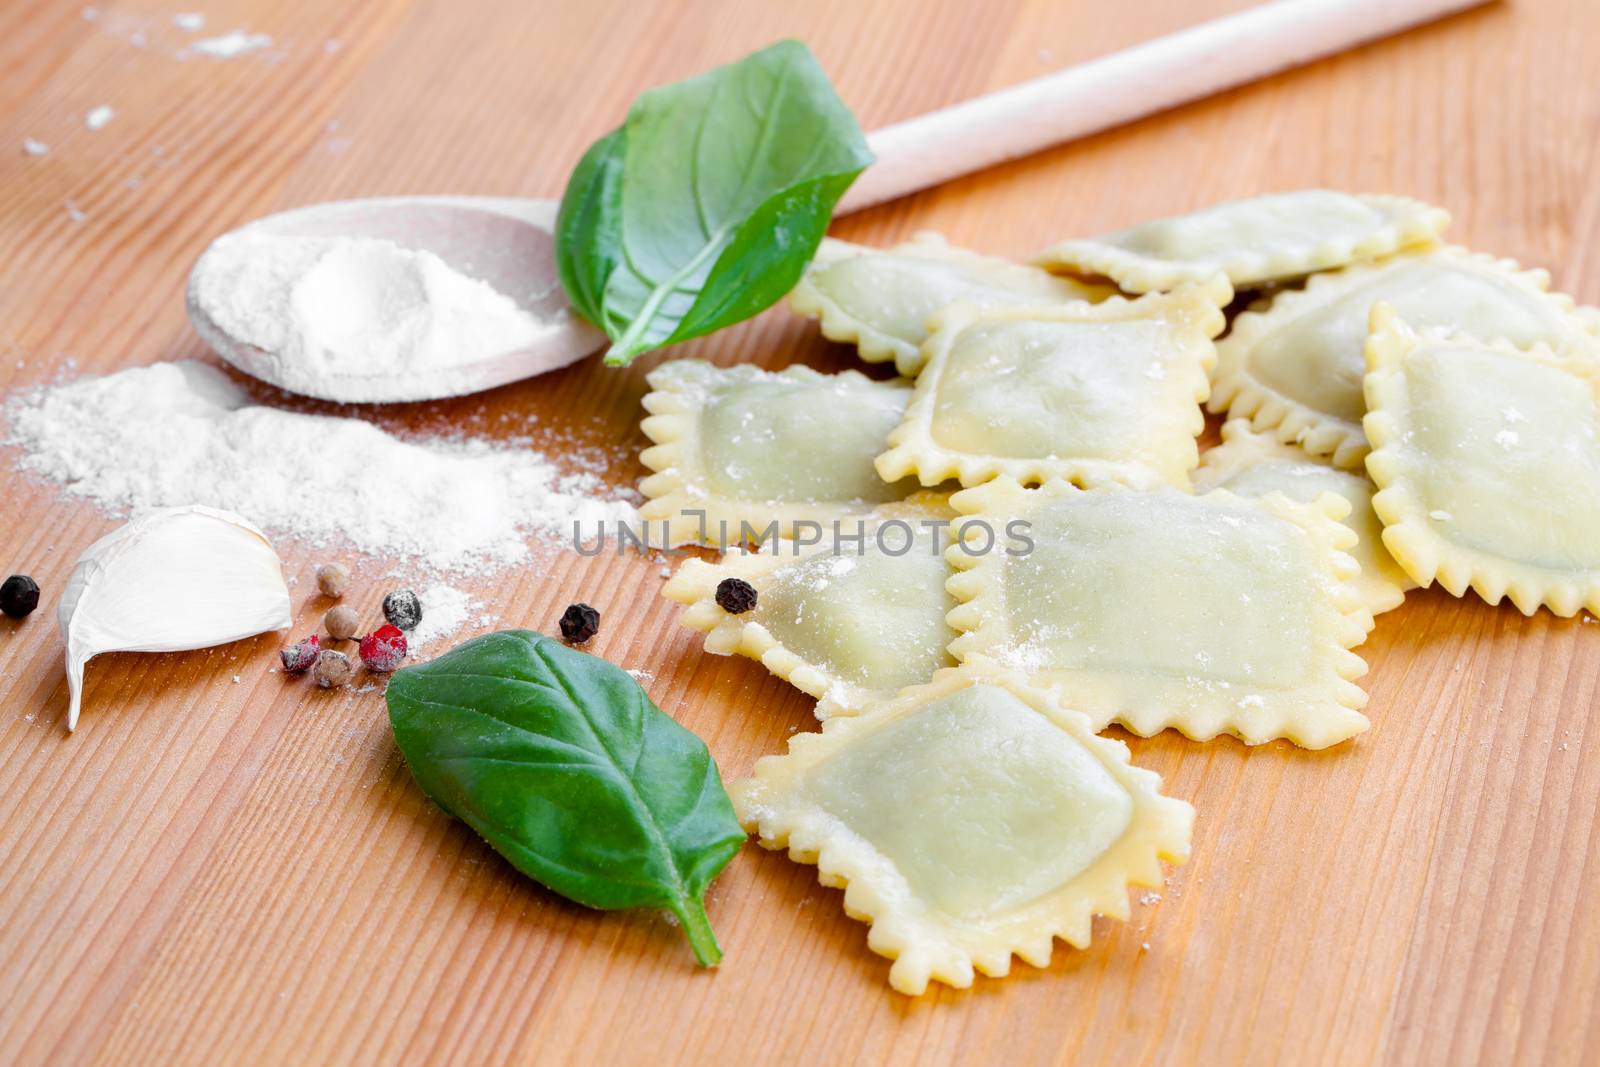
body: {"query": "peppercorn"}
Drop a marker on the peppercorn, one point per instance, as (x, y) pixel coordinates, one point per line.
(333, 669)
(19, 595)
(579, 623)
(402, 609)
(332, 578)
(341, 623)
(384, 649)
(301, 655)
(735, 596)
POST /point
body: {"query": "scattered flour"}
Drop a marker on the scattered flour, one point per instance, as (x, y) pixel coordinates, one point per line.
(444, 611)
(232, 44)
(184, 433)
(33, 147)
(345, 307)
(97, 117)
(189, 21)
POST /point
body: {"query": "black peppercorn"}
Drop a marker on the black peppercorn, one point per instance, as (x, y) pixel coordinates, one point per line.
(579, 623)
(19, 595)
(735, 596)
(402, 609)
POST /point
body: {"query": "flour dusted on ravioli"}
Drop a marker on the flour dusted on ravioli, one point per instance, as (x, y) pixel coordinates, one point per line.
(881, 299)
(740, 448)
(849, 622)
(1295, 364)
(1094, 394)
(1252, 242)
(1253, 464)
(1487, 461)
(1211, 614)
(969, 819)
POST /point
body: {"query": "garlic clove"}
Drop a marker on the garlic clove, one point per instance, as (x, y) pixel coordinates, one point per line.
(170, 580)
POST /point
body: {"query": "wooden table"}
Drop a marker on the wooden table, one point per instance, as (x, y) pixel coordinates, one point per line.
(214, 872)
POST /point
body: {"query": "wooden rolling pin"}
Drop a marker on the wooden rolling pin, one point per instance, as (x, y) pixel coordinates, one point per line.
(1139, 81)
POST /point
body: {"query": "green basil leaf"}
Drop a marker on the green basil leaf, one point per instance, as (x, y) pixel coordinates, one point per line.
(598, 181)
(562, 763)
(707, 204)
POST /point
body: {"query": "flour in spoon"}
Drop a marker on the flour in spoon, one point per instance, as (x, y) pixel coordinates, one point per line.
(343, 308)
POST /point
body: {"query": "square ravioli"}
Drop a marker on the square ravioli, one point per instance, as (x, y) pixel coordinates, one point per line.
(969, 819)
(1487, 462)
(1294, 364)
(1255, 464)
(1252, 242)
(1097, 393)
(739, 449)
(848, 627)
(1210, 614)
(880, 300)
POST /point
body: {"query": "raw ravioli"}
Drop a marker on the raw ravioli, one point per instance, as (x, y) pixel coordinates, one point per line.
(1294, 363)
(1253, 242)
(741, 449)
(1487, 461)
(969, 819)
(847, 626)
(880, 300)
(1091, 393)
(1211, 614)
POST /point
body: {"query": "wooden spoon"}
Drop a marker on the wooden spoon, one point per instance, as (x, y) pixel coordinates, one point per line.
(508, 243)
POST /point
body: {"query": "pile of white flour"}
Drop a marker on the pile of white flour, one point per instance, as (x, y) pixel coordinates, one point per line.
(335, 307)
(184, 433)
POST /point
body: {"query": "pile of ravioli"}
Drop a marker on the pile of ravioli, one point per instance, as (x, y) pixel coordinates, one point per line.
(980, 564)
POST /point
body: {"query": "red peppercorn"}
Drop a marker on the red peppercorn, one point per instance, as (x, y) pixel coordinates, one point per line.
(384, 649)
(301, 655)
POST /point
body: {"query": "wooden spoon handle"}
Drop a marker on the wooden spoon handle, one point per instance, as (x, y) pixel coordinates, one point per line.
(1124, 86)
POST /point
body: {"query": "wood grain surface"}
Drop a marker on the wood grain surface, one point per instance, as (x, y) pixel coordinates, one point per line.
(219, 872)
